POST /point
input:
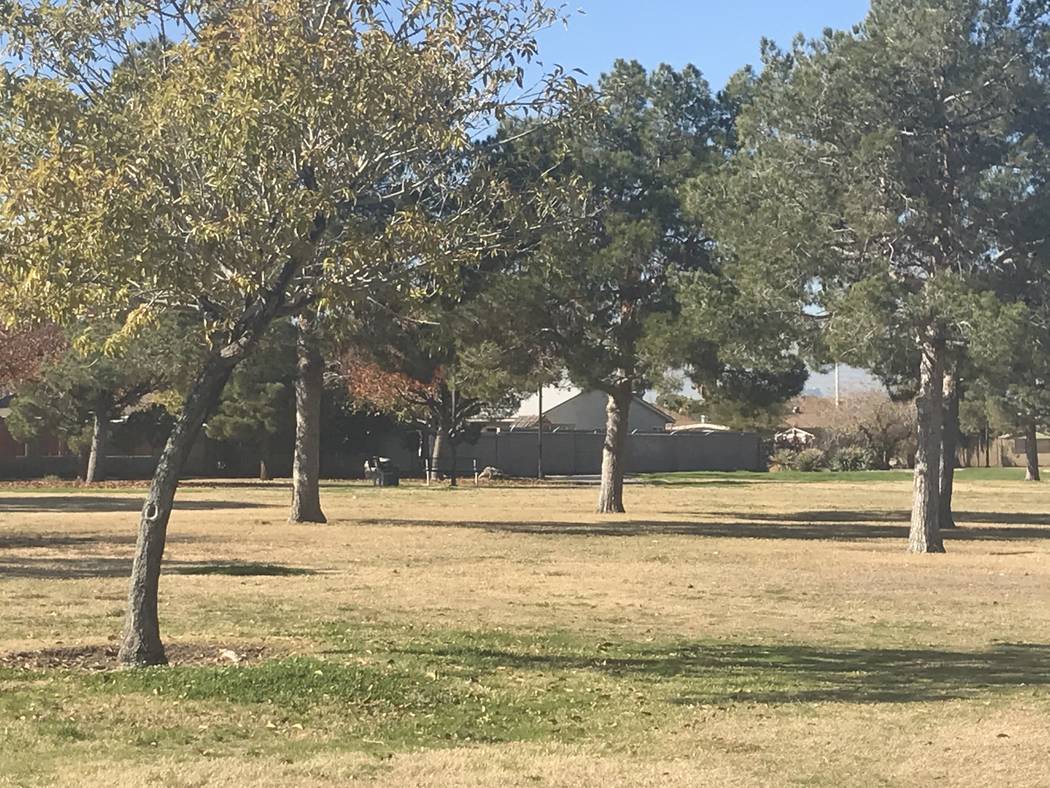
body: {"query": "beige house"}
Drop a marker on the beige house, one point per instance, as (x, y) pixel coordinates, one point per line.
(1011, 450)
(573, 409)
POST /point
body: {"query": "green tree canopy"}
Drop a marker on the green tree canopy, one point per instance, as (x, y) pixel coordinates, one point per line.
(604, 293)
(257, 405)
(77, 394)
(741, 398)
(441, 364)
(866, 167)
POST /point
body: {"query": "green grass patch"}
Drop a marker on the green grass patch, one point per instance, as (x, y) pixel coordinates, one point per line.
(294, 686)
(796, 477)
(383, 689)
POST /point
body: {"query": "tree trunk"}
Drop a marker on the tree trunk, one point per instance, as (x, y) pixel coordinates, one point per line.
(141, 644)
(1031, 452)
(97, 453)
(617, 411)
(438, 451)
(264, 472)
(306, 466)
(949, 447)
(453, 479)
(925, 534)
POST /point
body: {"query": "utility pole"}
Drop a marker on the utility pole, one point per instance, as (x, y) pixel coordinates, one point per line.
(539, 440)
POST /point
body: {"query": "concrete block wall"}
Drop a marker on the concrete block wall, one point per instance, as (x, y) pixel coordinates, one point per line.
(574, 453)
(565, 453)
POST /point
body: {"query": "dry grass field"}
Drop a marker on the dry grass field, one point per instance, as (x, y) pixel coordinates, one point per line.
(727, 631)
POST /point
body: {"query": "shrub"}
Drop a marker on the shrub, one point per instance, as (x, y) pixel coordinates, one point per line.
(810, 460)
(782, 460)
(806, 460)
(853, 458)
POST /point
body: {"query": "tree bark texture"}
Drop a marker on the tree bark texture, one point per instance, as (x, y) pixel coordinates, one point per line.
(949, 447)
(925, 536)
(1031, 451)
(306, 462)
(453, 458)
(617, 411)
(141, 644)
(97, 453)
(437, 454)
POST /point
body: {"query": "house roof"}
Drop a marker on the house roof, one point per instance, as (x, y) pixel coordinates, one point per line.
(667, 417)
(809, 412)
(554, 396)
(795, 431)
(529, 422)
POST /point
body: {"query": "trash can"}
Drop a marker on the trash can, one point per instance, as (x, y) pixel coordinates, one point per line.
(386, 473)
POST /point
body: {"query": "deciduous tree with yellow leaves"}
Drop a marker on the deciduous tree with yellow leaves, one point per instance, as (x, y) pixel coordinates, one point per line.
(244, 160)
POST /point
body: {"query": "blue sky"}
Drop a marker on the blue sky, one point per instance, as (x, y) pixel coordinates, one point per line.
(718, 36)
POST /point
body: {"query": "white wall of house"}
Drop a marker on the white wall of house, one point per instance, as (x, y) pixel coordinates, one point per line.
(587, 412)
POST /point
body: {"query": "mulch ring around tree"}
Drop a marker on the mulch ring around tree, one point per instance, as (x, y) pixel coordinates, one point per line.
(100, 657)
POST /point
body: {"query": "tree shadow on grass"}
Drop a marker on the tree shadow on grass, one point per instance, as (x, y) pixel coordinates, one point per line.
(727, 673)
(703, 483)
(236, 484)
(893, 516)
(99, 567)
(238, 569)
(52, 540)
(778, 527)
(103, 503)
(22, 540)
